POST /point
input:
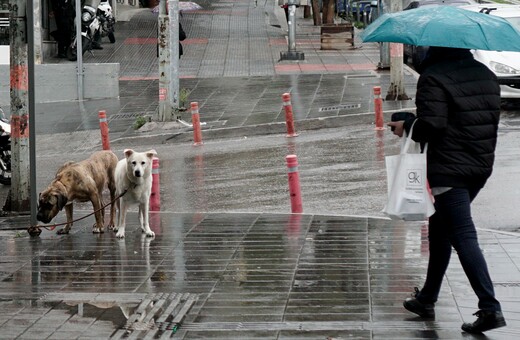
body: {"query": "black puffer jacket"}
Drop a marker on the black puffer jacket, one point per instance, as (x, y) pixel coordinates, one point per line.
(458, 110)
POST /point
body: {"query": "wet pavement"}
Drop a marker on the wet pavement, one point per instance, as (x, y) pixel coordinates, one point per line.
(327, 84)
(250, 276)
(228, 260)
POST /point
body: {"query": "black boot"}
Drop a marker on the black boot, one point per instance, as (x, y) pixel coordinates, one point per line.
(424, 310)
(486, 321)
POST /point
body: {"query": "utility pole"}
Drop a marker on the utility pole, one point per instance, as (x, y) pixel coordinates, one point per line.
(292, 54)
(168, 59)
(165, 109)
(173, 12)
(79, 50)
(19, 194)
(396, 89)
(384, 50)
(37, 31)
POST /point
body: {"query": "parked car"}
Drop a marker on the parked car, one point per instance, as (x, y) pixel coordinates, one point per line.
(374, 10)
(357, 8)
(423, 3)
(415, 54)
(506, 65)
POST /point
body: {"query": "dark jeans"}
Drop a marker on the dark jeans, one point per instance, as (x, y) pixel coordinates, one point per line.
(452, 225)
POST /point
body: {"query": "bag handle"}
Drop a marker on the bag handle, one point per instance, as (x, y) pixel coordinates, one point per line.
(408, 142)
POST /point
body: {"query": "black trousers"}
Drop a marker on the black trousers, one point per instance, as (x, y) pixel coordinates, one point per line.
(452, 226)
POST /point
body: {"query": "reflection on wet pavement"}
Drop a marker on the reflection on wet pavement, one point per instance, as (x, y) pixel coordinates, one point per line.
(265, 276)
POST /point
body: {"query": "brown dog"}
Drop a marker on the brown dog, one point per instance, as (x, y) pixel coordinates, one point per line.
(80, 181)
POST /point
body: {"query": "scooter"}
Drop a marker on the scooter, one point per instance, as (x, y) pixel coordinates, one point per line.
(106, 20)
(90, 26)
(5, 149)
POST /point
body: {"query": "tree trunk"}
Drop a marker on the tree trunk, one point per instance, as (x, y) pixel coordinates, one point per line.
(316, 13)
(306, 12)
(328, 11)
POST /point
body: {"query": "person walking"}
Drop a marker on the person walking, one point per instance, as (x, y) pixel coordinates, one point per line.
(64, 13)
(458, 110)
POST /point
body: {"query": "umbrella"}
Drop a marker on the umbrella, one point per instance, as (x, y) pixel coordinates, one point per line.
(444, 26)
(184, 6)
(187, 6)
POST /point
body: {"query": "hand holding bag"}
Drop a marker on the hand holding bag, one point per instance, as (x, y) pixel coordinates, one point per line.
(409, 196)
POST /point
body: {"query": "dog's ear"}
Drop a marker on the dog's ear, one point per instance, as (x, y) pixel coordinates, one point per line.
(128, 152)
(151, 153)
(62, 200)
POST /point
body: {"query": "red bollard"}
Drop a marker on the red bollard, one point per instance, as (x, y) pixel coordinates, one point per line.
(289, 119)
(294, 184)
(195, 120)
(378, 108)
(155, 197)
(103, 125)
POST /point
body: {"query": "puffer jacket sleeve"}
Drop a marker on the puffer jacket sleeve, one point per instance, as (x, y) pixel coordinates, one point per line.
(433, 103)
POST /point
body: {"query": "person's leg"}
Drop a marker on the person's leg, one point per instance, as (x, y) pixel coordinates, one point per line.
(464, 239)
(439, 257)
(422, 303)
(96, 41)
(62, 36)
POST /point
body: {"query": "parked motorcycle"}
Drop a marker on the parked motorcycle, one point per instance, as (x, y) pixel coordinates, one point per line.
(106, 20)
(5, 149)
(89, 27)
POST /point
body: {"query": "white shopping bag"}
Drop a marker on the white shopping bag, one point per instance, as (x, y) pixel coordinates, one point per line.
(409, 197)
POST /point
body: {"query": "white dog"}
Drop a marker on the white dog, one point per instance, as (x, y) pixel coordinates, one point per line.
(133, 174)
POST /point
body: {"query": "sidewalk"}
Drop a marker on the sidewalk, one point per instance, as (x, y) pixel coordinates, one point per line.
(248, 275)
(241, 43)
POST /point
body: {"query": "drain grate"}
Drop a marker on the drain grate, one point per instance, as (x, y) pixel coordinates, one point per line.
(361, 74)
(340, 107)
(148, 316)
(129, 115)
(157, 316)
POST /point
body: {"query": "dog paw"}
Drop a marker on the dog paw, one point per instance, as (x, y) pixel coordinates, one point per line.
(97, 230)
(62, 231)
(120, 234)
(150, 234)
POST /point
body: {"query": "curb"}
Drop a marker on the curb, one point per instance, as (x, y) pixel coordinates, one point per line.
(185, 134)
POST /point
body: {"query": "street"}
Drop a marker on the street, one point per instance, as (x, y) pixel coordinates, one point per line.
(342, 172)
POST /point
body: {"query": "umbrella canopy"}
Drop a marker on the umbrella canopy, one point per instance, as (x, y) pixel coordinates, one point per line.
(188, 6)
(444, 26)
